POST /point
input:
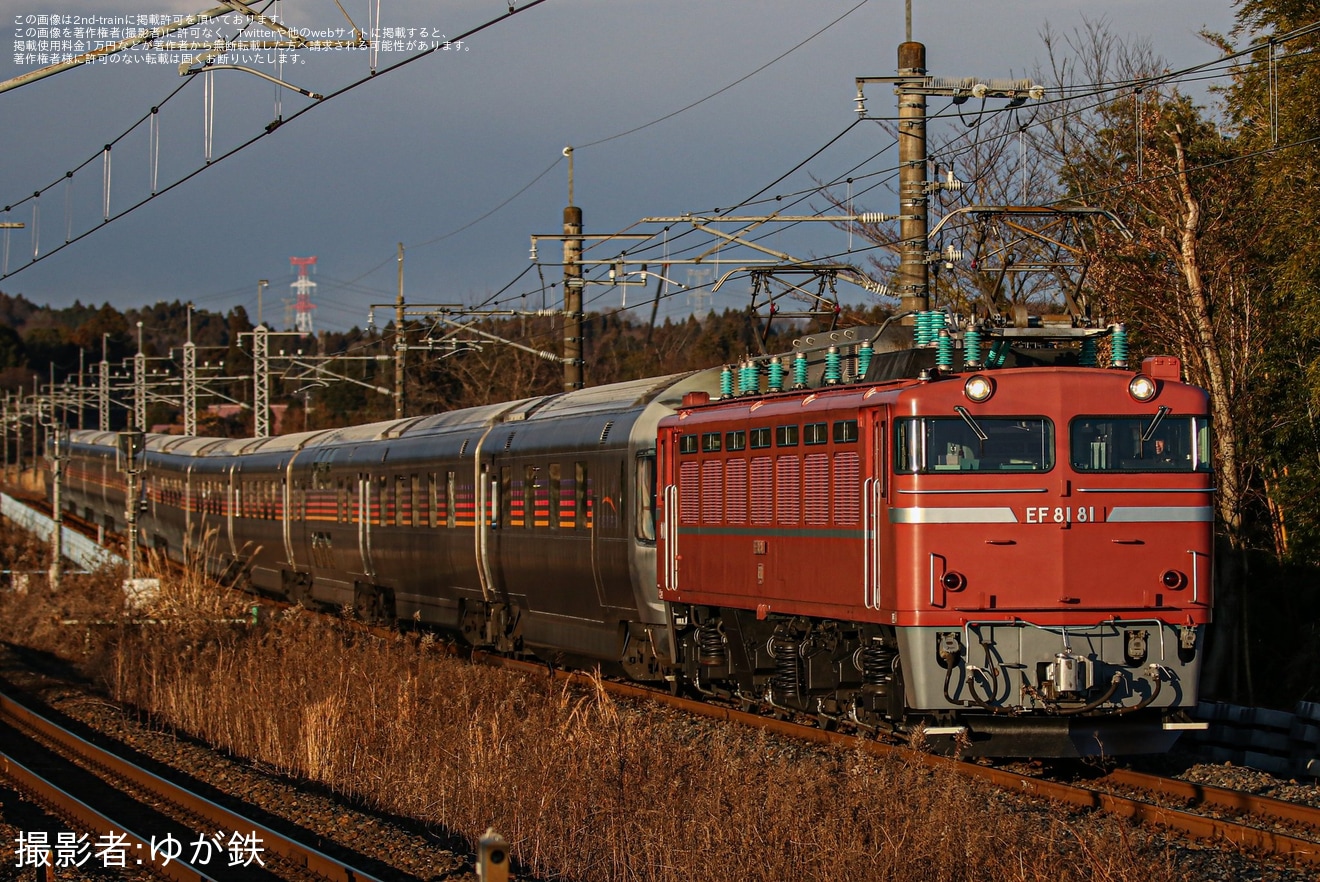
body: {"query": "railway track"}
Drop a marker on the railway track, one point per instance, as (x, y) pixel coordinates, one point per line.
(145, 820)
(1262, 825)
(1202, 812)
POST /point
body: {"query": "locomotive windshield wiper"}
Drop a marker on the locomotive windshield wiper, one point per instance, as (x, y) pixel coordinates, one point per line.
(967, 418)
(1160, 414)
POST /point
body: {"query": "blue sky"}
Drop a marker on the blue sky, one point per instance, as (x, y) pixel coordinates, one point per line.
(417, 154)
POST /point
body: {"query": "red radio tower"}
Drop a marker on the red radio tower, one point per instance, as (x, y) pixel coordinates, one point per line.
(303, 287)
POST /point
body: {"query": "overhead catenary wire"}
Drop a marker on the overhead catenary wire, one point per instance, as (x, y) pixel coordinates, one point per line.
(212, 161)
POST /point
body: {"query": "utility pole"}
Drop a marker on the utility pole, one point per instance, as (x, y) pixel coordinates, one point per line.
(58, 443)
(36, 426)
(4, 436)
(913, 86)
(130, 449)
(400, 347)
(103, 392)
(18, 435)
(140, 386)
(913, 272)
(261, 285)
(82, 401)
(572, 287)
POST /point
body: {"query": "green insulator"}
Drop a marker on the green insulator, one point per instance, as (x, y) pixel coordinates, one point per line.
(925, 330)
(800, 370)
(1119, 344)
(833, 369)
(998, 353)
(864, 353)
(776, 372)
(944, 352)
(972, 348)
(1088, 356)
(726, 381)
(751, 378)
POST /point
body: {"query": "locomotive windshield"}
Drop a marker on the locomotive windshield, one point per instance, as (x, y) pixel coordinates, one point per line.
(1140, 444)
(953, 444)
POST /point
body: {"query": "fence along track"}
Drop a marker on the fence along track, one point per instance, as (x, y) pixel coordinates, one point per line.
(294, 852)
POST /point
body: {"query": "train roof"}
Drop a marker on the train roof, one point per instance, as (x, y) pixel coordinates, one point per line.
(596, 399)
(580, 402)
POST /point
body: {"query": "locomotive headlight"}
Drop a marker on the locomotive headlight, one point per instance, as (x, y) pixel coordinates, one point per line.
(1142, 388)
(979, 388)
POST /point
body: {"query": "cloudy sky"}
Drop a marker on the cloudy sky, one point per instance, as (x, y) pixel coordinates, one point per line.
(420, 154)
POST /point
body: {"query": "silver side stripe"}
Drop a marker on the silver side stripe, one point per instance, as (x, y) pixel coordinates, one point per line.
(919, 515)
(1130, 514)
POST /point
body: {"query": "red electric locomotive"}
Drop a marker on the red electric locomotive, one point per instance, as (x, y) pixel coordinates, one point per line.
(1016, 560)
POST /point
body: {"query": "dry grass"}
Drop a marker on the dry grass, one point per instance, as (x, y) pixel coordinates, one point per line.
(583, 786)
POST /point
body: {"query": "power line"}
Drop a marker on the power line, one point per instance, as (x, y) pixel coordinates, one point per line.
(270, 129)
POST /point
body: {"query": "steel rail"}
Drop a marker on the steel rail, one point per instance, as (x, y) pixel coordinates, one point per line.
(294, 852)
(79, 812)
(1217, 797)
(1217, 830)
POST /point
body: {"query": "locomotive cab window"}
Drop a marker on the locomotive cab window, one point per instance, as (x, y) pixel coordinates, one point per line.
(954, 444)
(1154, 443)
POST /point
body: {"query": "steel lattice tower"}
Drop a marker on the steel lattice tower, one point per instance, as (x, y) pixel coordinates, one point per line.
(303, 288)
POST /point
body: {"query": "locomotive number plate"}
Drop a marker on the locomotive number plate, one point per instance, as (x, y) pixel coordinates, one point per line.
(1060, 514)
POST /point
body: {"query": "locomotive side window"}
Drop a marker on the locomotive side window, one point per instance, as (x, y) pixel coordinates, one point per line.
(760, 438)
(710, 442)
(401, 500)
(786, 436)
(645, 514)
(1140, 444)
(952, 444)
(816, 433)
(735, 440)
(687, 444)
(416, 500)
(845, 431)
